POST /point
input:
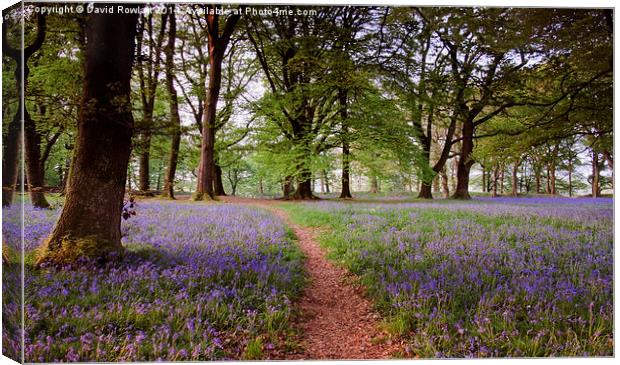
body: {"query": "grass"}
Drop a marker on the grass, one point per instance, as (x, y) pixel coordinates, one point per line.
(479, 280)
(193, 285)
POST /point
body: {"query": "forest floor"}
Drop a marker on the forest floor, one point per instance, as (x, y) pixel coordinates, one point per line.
(337, 320)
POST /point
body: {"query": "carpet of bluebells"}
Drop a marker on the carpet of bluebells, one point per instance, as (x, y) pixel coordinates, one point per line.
(198, 282)
(499, 277)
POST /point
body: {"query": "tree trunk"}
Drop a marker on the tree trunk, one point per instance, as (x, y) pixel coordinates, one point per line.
(374, 184)
(444, 183)
(595, 175)
(514, 180)
(610, 162)
(465, 162)
(570, 177)
(34, 170)
(175, 120)
(10, 158)
(436, 183)
(304, 188)
(89, 224)
(219, 184)
(326, 177)
(144, 178)
(345, 193)
(553, 190)
(65, 177)
(158, 181)
(453, 169)
(501, 179)
(346, 183)
(495, 178)
(484, 180)
(10, 152)
(148, 90)
(287, 187)
(261, 189)
(217, 48)
(233, 178)
(489, 178)
(426, 191)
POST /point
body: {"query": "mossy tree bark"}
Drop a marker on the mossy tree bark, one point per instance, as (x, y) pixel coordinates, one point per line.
(89, 224)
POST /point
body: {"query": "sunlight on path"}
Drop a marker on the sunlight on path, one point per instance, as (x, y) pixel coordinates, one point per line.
(337, 321)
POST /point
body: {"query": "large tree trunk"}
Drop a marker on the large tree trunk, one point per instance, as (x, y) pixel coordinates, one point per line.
(304, 188)
(219, 184)
(287, 187)
(465, 162)
(89, 224)
(217, 48)
(426, 191)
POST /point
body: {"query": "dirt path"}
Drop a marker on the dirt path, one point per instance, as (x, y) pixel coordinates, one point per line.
(337, 321)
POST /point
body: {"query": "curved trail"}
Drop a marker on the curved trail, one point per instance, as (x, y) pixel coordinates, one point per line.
(337, 321)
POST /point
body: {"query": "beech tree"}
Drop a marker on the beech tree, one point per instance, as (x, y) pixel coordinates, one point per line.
(415, 68)
(303, 108)
(217, 48)
(175, 119)
(89, 224)
(150, 38)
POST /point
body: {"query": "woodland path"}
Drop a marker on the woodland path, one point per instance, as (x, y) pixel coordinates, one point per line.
(337, 321)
